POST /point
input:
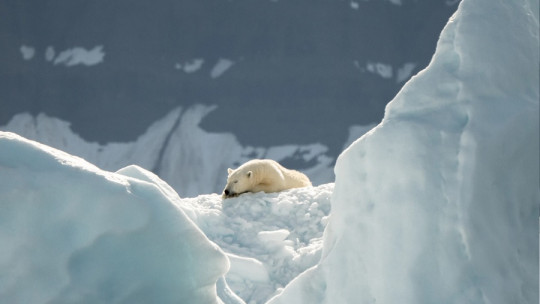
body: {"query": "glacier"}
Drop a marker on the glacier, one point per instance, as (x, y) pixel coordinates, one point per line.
(439, 203)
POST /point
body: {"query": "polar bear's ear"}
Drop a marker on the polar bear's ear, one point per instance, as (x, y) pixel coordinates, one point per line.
(229, 171)
(249, 174)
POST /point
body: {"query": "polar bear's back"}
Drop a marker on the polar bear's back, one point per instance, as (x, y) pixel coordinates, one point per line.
(281, 178)
(295, 179)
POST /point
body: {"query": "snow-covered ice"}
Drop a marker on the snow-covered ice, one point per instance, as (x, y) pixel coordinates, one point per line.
(269, 238)
(78, 233)
(439, 203)
(72, 233)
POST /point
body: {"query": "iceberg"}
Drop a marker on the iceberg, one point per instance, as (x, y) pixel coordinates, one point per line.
(72, 233)
(440, 202)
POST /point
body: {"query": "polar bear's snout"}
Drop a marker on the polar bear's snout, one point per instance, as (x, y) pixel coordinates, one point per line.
(229, 193)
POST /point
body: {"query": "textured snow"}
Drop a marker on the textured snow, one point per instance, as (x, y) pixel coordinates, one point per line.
(440, 202)
(269, 238)
(388, 71)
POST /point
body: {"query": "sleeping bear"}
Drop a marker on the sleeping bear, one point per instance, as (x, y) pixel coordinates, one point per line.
(262, 175)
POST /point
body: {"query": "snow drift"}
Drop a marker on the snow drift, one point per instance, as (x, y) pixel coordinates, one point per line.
(71, 233)
(439, 203)
(269, 238)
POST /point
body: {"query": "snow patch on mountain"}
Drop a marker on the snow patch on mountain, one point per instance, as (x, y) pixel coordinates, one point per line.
(174, 146)
(191, 66)
(381, 69)
(221, 67)
(70, 57)
(80, 56)
(27, 52)
(388, 71)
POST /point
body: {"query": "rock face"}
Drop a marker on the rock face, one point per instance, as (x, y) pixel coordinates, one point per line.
(87, 61)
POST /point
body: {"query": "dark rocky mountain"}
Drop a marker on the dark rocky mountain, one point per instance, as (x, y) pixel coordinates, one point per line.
(279, 71)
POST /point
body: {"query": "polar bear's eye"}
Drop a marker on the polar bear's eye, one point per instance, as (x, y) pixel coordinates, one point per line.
(235, 182)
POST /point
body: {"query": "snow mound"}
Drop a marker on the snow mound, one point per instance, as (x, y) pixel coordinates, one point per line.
(270, 238)
(76, 233)
(440, 202)
(72, 233)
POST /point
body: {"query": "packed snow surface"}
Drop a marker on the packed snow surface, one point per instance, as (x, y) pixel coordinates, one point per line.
(270, 238)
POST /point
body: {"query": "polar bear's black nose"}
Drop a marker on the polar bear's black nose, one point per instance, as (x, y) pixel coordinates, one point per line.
(226, 192)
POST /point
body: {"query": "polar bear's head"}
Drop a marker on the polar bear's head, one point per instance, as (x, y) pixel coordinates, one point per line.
(239, 181)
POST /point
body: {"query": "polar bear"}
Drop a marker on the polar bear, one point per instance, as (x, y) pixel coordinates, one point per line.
(262, 175)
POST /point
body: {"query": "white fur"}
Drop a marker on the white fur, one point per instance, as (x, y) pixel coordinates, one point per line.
(262, 175)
